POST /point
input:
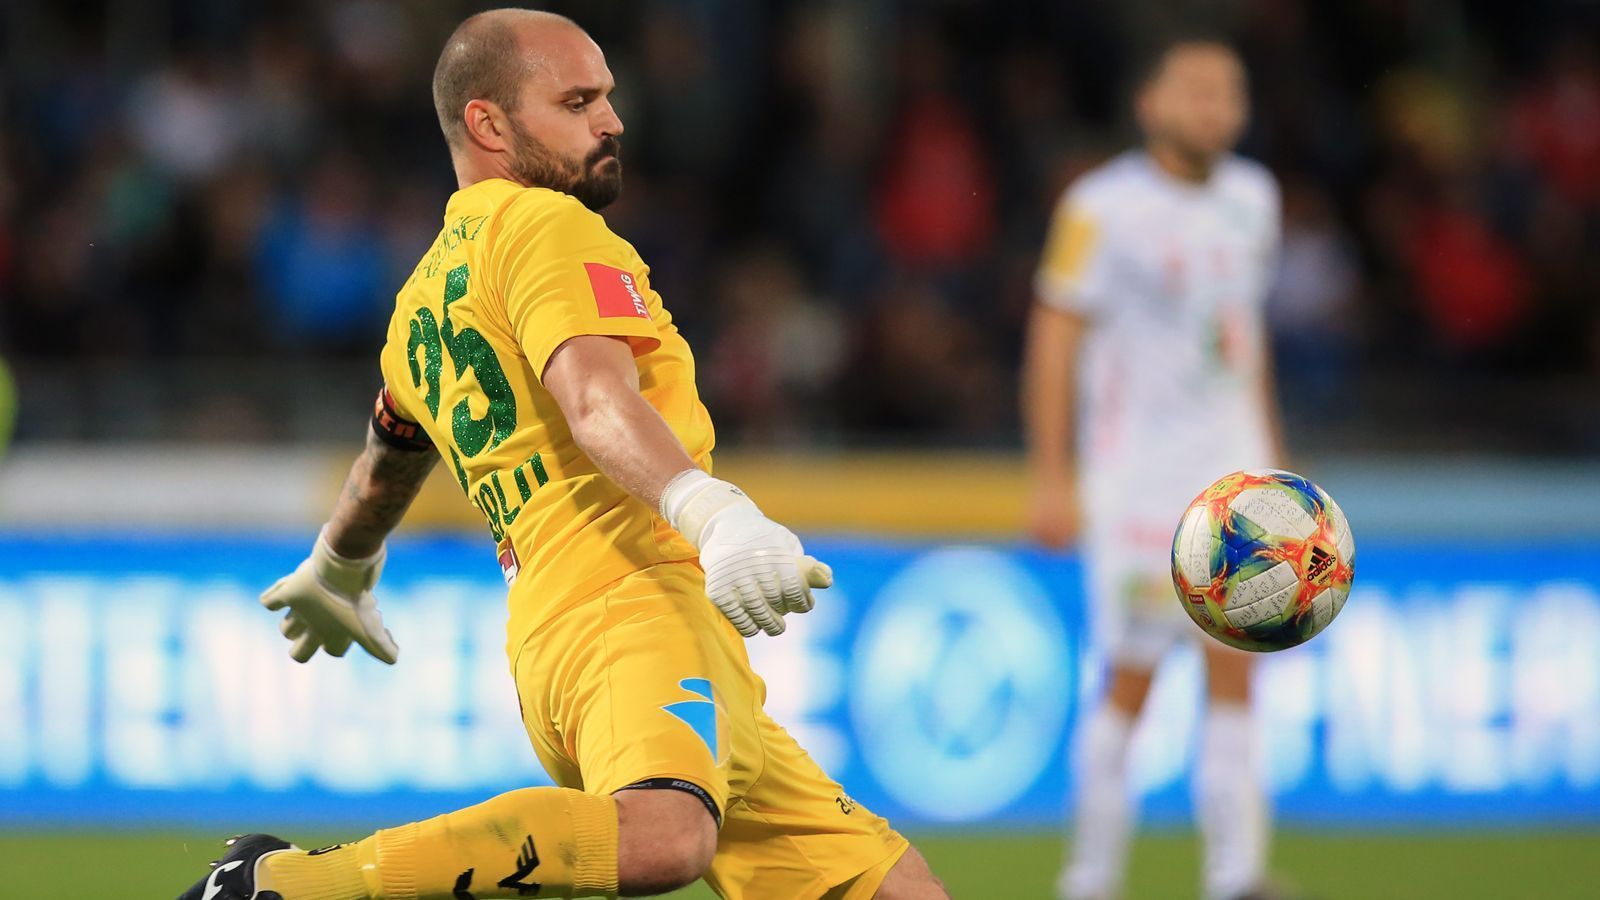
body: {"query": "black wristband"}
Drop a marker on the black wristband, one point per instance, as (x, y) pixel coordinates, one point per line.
(394, 429)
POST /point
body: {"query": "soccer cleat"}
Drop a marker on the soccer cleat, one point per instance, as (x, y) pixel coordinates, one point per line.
(1272, 890)
(233, 877)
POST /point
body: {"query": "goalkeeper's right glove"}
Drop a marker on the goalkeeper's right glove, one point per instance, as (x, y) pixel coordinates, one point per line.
(756, 570)
(330, 604)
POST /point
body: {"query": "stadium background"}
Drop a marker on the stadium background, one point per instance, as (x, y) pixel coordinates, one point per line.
(207, 206)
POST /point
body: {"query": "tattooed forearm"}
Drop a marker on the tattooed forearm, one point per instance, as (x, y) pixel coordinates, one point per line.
(381, 486)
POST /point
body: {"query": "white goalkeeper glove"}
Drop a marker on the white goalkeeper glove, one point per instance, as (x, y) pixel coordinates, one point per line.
(330, 604)
(756, 570)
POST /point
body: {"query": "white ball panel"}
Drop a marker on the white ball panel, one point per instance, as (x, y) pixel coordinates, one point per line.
(1275, 512)
(1256, 587)
(1322, 610)
(1343, 539)
(1267, 607)
(1192, 550)
(1336, 598)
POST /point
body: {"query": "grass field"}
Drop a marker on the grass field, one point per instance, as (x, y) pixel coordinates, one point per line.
(1533, 865)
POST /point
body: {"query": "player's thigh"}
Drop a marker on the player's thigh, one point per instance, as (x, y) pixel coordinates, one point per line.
(643, 682)
(1135, 616)
(796, 834)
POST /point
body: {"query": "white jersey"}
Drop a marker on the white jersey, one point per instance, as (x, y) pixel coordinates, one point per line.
(1171, 278)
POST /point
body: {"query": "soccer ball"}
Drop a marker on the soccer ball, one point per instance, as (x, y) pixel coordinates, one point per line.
(1263, 559)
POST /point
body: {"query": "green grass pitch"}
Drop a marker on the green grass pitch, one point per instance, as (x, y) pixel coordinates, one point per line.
(1548, 865)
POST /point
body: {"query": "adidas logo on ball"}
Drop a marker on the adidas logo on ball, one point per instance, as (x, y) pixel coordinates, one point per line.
(1321, 565)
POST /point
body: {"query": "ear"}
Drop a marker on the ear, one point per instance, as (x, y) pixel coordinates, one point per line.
(1144, 103)
(486, 124)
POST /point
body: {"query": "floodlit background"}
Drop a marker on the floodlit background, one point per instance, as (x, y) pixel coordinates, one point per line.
(207, 208)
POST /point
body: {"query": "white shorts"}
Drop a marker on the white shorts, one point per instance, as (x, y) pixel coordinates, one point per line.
(1133, 608)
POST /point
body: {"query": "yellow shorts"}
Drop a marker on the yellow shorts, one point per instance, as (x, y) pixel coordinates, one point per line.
(645, 679)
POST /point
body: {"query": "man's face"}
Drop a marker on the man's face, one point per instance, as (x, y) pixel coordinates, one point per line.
(1197, 102)
(564, 133)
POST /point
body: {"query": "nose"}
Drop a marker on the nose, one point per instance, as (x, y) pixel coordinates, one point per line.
(608, 123)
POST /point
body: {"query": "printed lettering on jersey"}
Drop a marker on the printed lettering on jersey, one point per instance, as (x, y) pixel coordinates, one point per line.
(616, 294)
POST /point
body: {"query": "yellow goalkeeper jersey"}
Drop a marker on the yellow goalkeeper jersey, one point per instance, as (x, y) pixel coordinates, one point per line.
(514, 273)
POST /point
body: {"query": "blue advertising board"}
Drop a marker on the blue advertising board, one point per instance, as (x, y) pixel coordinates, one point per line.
(140, 683)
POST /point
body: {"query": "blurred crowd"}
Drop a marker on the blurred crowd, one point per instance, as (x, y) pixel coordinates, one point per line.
(842, 202)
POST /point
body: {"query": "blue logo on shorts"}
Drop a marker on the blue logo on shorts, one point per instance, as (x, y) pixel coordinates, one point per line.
(700, 715)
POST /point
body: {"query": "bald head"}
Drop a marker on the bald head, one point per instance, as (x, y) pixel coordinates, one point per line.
(525, 96)
(488, 57)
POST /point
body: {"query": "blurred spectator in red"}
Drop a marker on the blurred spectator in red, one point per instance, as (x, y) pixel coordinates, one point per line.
(936, 192)
(936, 205)
(1557, 121)
(1473, 283)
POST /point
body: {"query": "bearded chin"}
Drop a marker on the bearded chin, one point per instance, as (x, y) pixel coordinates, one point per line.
(599, 186)
(595, 185)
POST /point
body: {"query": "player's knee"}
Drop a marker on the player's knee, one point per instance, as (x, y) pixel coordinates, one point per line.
(1228, 674)
(1129, 687)
(666, 840)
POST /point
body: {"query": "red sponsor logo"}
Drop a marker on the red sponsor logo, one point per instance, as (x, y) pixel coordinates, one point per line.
(616, 294)
(510, 566)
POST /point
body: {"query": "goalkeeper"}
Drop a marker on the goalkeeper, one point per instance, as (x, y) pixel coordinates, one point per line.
(529, 352)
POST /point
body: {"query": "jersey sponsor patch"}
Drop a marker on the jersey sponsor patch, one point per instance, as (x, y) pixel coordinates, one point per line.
(616, 294)
(1071, 241)
(510, 566)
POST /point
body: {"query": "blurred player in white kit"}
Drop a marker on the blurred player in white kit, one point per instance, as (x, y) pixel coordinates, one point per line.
(1147, 377)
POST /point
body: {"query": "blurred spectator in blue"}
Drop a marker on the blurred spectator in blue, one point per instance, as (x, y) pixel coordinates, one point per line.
(322, 261)
(1312, 310)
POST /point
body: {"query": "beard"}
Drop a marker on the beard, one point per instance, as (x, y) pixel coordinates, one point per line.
(595, 180)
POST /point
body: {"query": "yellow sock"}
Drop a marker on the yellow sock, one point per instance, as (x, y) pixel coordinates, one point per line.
(535, 842)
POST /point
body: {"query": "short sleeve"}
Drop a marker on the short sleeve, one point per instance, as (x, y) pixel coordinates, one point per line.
(564, 274)
(1273, 204)
(399, 400)
(392, 426)
(1074, 269)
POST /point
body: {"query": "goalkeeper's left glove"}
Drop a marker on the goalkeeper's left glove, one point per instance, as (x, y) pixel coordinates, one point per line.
(756, 570)
(330, 604)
